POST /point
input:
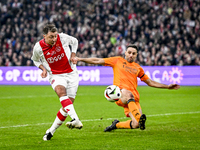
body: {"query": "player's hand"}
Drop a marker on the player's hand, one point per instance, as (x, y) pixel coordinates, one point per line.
(77, 58)
(174, 86)
(44, 73)
(74, 60)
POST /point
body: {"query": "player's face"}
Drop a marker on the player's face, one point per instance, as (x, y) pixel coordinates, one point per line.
(131, 54)
(51, 38)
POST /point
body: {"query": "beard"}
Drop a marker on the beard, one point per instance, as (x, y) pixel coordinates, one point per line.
(130, 60)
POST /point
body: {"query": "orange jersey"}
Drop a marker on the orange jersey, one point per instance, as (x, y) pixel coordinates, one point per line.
(125, 74)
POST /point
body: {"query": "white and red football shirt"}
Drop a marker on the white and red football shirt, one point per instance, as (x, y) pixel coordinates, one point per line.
(56, 59)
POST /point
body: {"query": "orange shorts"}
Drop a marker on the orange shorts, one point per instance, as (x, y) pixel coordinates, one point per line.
(126, 109)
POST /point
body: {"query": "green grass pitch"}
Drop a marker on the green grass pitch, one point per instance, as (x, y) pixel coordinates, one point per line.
(26, 112)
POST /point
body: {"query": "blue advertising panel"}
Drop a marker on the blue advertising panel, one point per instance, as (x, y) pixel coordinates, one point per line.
(101, 75)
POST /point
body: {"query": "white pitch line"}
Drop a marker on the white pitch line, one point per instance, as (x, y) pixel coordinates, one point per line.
(30, 96)
(33, 96)
(167, 114)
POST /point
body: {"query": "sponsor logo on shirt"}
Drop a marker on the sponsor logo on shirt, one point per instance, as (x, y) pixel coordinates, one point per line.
(130, 69)
(55, 59)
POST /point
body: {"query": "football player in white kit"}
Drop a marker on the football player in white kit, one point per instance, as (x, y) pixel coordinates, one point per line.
(52, 54)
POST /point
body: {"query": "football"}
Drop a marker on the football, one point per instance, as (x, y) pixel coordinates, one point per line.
(112, 93)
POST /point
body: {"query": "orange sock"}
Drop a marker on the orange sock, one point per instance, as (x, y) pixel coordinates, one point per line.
(124, 125)
(134, 109)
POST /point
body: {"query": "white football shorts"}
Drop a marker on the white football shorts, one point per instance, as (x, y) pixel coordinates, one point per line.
(69, 80)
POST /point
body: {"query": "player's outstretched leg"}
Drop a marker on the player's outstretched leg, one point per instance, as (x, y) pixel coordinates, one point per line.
(60, 118)
(142, 121)
(74, 123)
(112, 126)
(47, 136)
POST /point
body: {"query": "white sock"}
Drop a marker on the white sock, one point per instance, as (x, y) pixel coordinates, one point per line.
(69, 107)
(60, 118)
(71, 111)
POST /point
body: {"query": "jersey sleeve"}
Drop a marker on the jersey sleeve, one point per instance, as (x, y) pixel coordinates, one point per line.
(69, 40)
(111, 61)
(36, 57)
(142, 74)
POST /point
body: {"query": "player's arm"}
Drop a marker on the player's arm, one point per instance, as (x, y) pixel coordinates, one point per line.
(36, 60)
(155, 84)
(74, 46)
(99, 61)
(73, 58)
(70, 40)
(73, 42)
(44, 71)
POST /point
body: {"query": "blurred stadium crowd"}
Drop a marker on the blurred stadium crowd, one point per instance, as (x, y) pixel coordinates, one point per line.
(167, 32)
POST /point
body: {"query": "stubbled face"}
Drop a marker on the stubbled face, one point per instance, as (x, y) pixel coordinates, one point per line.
(50, 38)
(131, 54)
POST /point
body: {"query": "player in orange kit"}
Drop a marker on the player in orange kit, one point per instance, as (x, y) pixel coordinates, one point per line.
(125, 72)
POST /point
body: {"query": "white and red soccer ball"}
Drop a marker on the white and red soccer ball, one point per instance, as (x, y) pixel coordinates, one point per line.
(112, 93)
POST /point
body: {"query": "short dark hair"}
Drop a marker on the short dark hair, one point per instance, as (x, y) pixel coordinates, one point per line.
(49, 27)
(133, 46)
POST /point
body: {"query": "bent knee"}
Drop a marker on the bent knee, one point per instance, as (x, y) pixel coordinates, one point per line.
(126, 95)
(60, 90)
